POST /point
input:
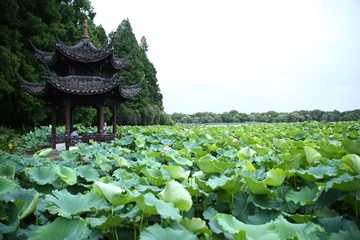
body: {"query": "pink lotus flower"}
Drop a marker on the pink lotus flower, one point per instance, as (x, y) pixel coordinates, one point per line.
(235, 140)
(166, 148)
(186, 129)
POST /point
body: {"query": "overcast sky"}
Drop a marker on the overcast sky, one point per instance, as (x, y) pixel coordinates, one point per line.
(249, 56)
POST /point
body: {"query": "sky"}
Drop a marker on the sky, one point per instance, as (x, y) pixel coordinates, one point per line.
(250, 56)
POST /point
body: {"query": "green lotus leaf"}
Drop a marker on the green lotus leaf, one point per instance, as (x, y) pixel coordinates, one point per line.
(61, 229)
(31, 208)
(176, 172)
(103, 162)
(234, 184)
(156, 232)
(140, 140)
(260, 150)
(256, 187)
(122, 162)
(8, 171)
(88, 173)
(72, 156)
(275, 177)
(217, 181)
(105, 223)
(281, 144)
(245, 153)
(299, 218)
(182, 161)
(276, 229)
(195, 225)
(150, 205)
(336, 224)
(114, 194)
(249, 166)
(303, 197)
(209, 164)
(42, 175)
(352, 146)
(43, 153)
(203, 184)
(66, 174)
(352, 162)
(66, 204)
(265, 202)
(312, 156)
(175, 193)
(154, 176)
(345, 183)
(7, 185)
(312, 174)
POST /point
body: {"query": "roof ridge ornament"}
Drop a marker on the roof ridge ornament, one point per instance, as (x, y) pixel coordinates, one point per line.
(85, 32)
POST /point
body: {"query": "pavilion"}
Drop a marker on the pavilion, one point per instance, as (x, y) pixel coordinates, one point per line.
(82, 75)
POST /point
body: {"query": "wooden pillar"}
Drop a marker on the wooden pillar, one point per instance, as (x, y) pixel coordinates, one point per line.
(114, 117)
(68, 118)
(100, 118)
(53, 127)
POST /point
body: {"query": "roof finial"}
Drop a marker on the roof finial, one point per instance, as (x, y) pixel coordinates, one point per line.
(85, 32)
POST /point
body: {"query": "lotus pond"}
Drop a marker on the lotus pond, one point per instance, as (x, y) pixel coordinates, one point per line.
(260, 181)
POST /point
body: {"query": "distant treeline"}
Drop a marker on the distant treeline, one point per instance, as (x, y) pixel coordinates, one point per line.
(270, 116)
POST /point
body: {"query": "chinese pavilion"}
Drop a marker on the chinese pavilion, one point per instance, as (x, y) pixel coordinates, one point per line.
(82, 75)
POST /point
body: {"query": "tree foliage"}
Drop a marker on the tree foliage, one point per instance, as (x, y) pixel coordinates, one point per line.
(22, 20)
(270, 116)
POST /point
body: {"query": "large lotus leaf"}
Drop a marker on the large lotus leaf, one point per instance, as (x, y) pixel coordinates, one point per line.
(176, 172)
(150, 205)
(8, 171)
(305, 196)
(103, 162)
(352, 146)
(182, 161)
(275, 177)
(140, 140)
(249, 166)
(114, 194)
(195, 225)
(60, 229)
(209, 164)
(234, 184)
(88, 173)
(43, 153)
(42, 175)
(66, 174)
(266, 202)
(281, 144)
(66, 204)
(352, 161)
(299, 218)
(7, 185)
(175, 193)
(72, 156)
(122, 162)
(217, 181)
(312, 156)
(276, 229)
(260, 150)
(154, 176)
(345, 183)
(349, 234)
(245, 153)
(203, 184)
(256, 187)
(156, 232)
(31, 208)
(312, 174)
(105, 223)
(336, 224)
